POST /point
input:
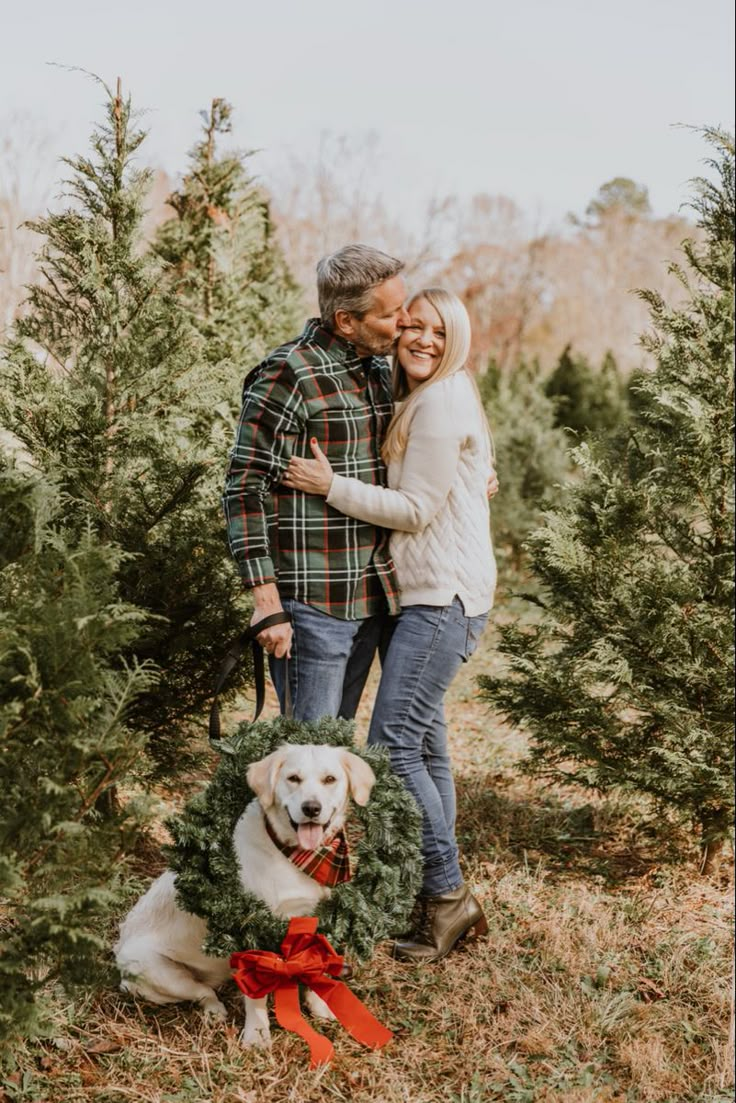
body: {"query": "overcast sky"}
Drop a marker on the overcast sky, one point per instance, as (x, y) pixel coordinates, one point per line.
(540, 100)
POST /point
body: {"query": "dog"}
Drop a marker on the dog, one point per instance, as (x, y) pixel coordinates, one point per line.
(302, 799)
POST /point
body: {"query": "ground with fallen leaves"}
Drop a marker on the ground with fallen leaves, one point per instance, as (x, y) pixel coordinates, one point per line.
(606, 975)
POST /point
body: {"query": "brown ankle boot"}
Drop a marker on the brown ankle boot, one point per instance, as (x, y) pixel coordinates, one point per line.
(445, 921)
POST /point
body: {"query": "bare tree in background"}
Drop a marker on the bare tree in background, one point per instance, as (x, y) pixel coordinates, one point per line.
(158, 210)
(26, 169)
(530, 290)
(495, 268)
(590, 276)
(322, 203)
(530, 293)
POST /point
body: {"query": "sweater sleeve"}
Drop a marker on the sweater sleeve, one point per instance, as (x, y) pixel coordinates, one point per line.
(428, 471)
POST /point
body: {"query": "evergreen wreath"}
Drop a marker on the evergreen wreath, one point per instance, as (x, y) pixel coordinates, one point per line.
(375, 904)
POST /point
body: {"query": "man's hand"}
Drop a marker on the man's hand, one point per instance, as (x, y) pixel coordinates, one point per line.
(276, 640)
(492, 487)
(311, 476)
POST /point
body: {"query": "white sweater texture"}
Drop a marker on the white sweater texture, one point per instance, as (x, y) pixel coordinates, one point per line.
(436, 501)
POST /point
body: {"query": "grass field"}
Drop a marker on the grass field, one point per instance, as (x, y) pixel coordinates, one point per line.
(605, 977)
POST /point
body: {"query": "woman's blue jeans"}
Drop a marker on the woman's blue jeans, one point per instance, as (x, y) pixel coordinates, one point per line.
(424, 654)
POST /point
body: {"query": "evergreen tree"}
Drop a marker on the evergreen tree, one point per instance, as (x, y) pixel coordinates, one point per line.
(104, 384)
(571, 386)
(609, 407)
(627, 679)
(622, 194)
(586, 401)
(66, 738)
(531, 455)
(634, 395)
(223, 258)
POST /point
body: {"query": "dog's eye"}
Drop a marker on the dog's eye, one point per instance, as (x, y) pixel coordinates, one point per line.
(329, 780)
(295, 778)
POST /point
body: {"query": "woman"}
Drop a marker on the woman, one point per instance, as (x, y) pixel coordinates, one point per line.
(438, 455)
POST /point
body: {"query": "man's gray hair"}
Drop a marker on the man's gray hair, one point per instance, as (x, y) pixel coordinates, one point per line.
(345, 279)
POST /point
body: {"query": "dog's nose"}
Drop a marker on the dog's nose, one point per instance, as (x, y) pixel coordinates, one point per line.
(311, 808)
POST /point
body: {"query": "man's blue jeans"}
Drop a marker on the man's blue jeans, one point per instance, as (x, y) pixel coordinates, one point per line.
(329, 664)
(426, 649)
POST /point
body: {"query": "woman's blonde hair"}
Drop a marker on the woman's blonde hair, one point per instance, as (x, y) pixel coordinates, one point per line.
(456, 324)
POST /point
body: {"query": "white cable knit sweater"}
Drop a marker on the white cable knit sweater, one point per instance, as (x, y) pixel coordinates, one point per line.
(435, 502)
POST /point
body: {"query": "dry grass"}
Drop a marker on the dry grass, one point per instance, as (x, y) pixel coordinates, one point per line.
(605, 976)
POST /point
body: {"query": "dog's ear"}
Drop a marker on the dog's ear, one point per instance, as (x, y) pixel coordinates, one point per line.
(262, 775)
(361, 778)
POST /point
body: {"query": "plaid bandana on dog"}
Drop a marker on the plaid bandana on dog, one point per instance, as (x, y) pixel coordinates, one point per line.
(328, 865)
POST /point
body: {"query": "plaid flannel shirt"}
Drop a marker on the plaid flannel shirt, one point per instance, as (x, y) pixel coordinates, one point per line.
(316, 386)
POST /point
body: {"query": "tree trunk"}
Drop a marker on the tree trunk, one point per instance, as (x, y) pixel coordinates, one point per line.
(711, 847)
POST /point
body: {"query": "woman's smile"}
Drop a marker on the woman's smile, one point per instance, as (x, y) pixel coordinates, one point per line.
(421, 343)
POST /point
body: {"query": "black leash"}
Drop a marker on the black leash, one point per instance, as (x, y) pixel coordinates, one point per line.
(231, 660)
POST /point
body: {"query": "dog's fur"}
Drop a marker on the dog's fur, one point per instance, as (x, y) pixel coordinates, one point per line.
(304, 791)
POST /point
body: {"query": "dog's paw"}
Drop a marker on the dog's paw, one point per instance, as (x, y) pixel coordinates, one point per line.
(213, 1009)
(317, 1006)
(256, 1037)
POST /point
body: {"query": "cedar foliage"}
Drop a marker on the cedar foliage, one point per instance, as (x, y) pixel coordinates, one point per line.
(104, 385)
(224, 262)
(531, 453)
(65, 702)
(586, 400)
(627, 679)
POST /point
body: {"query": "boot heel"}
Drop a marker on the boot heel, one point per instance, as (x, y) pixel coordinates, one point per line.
(477, 930)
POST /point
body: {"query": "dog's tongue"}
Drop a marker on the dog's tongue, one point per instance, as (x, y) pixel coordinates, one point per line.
(309, 835)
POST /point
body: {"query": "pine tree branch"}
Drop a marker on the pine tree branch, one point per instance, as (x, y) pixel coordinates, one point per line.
(170, 505)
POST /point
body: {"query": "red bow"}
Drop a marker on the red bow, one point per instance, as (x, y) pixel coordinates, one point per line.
(307, 959)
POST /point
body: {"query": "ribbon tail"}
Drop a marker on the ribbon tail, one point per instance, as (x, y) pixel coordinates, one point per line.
(289, 1016)
(352, 1013)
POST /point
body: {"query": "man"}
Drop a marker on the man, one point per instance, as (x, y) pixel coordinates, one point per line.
(331, 573)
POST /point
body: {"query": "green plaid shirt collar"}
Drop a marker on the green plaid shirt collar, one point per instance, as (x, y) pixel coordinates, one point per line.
(316, 386)
(323, 337)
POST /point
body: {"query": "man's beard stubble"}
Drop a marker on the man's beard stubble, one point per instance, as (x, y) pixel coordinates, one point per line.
(374, 345)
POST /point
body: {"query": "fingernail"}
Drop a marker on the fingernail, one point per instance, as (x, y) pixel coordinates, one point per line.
(313, 440)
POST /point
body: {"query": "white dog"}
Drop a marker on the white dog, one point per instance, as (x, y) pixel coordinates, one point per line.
(303, 791)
